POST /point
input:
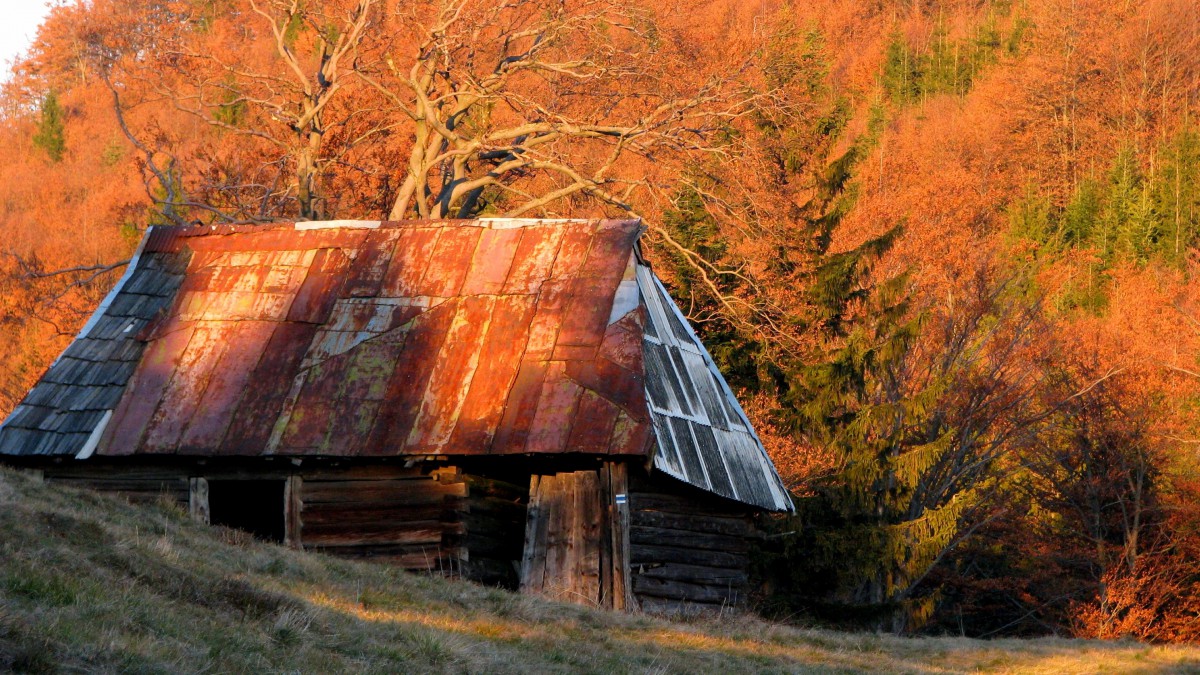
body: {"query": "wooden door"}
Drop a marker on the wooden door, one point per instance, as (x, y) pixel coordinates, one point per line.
(577, 537)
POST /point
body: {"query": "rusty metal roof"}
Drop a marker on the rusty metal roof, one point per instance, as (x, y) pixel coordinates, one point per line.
(361, 338)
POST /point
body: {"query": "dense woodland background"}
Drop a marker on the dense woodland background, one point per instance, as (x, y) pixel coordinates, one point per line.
(946, 250)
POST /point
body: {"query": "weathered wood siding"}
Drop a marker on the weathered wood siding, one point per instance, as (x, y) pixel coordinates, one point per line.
(575, 537)
(582, 536)
(406, 517)
(689, 550)
(140, 485)
(412, 517)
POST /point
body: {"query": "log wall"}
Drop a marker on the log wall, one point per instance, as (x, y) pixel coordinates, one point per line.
(666, 547)
(406, 517)
(420, 518)
(140, 485)
(689, 550)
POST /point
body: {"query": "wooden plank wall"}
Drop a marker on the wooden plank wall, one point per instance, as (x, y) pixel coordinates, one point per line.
(689, 552)
(575, 539)
(410, 517)
(615, 586)
(140, 485)
(405, 517)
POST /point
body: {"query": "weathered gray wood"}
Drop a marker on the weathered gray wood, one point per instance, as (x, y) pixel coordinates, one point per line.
(562, 557)
(734, 526)
(292, 508)
(614, 564)
(376, 512)
(198, 499)
(380, 528)
(607, 530)
(557, 492)
(699, 574)
(622, 580)
(146, 491)
(646, 554)
(682, 590)
(584, 568)
(687, 547)
(406, 516)
(647, 501)
(533, 558)
(416, 491)
(430, 532)
(659, 536)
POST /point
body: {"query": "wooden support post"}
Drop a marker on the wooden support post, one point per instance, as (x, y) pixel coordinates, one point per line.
(198, 499)
(533, 558)
(292, 505)
(616, 483)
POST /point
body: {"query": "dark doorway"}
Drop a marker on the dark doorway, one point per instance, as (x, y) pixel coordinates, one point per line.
(256, 506)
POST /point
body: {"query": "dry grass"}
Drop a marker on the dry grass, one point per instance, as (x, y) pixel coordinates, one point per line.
(88, 583)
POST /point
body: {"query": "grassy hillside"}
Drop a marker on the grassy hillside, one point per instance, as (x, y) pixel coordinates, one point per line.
(88, 583)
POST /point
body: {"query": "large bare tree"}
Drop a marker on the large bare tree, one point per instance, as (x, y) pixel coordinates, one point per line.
(512, 107)
(519, 104)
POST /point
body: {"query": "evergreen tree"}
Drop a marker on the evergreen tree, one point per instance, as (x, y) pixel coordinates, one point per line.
(1127, 223)
(1177, 195)
(50, 135)
(1079, 218)
(918, 406)
(901, 70)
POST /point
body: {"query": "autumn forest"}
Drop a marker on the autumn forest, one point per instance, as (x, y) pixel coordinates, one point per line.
(946, 251)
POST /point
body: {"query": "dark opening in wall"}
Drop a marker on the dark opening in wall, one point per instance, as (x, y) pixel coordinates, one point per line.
(256, 506)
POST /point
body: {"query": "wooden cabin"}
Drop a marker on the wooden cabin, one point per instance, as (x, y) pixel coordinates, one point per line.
(518, 402)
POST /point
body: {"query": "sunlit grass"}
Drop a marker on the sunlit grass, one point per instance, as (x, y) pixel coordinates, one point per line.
(88, 583)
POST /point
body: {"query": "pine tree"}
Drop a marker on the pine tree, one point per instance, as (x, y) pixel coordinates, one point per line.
(1177, 195)
(918, 405)
(901, 70)
(1127, 223)
(50, 135)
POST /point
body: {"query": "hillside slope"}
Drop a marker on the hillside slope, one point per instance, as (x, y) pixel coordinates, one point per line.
(88, 583)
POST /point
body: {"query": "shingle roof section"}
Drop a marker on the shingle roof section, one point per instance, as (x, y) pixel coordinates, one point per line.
(703, 436)
(82, 387)
(361, 338)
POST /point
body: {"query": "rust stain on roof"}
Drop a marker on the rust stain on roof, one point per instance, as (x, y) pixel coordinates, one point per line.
(409, 338)
(396, 339)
